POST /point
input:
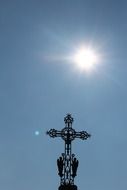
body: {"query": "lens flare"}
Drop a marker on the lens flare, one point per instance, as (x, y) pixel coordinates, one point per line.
(37, 133)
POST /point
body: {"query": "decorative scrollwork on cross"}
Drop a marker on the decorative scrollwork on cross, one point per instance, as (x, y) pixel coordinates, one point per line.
(52, 133)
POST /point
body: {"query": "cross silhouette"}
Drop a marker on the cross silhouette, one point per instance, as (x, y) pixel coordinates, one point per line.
(67, 163)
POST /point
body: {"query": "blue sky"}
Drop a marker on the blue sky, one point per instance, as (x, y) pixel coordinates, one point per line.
(36, 92)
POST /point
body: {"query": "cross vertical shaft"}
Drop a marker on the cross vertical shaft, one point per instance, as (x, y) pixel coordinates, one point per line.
(67, 162)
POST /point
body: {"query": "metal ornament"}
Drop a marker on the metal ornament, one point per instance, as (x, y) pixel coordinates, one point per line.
(67, 163)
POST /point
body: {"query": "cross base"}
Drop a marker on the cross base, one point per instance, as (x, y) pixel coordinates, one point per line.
(68, 187)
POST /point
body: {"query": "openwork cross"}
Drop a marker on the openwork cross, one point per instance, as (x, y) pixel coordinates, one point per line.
(67, 162)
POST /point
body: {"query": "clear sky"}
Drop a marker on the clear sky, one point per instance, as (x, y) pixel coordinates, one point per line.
(38, 88)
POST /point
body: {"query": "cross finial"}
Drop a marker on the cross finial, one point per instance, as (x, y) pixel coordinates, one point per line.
(68, 119)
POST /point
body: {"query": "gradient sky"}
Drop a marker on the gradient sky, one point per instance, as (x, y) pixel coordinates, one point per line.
(38, 88)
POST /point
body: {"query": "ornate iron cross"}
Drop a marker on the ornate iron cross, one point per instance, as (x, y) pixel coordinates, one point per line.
(67, 162)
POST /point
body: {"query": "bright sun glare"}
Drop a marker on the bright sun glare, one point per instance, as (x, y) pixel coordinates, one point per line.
(85, 58)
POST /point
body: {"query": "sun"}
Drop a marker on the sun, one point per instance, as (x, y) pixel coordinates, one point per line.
(85, 58)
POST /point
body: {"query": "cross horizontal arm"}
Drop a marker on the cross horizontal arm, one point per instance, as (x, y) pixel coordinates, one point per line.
(54, 133)
(82, 135)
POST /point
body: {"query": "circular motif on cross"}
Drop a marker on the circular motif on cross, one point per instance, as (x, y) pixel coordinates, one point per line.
(68, 134)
